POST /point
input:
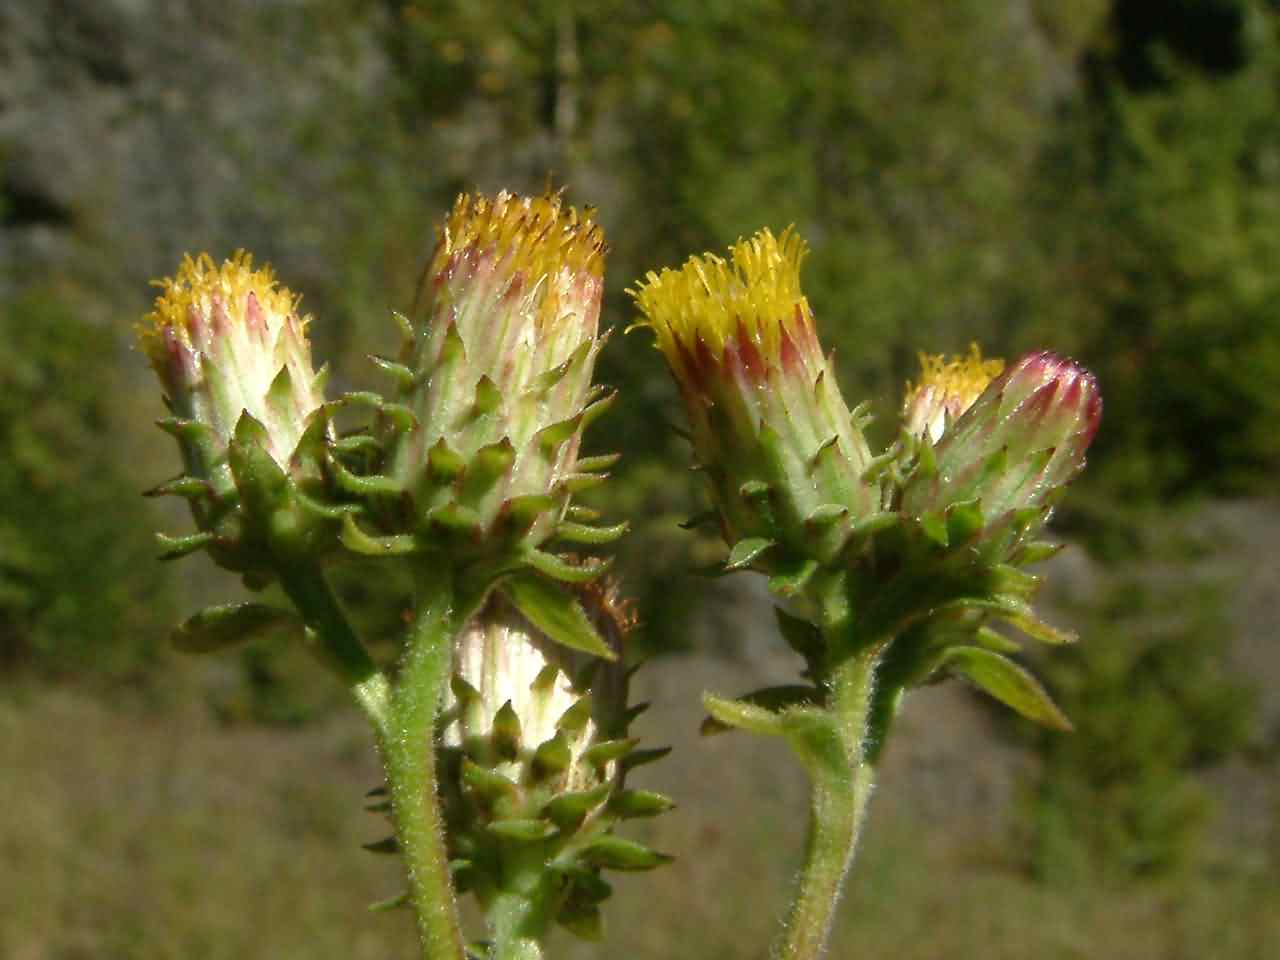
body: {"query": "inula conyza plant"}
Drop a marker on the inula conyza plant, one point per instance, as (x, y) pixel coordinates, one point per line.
(503, 719)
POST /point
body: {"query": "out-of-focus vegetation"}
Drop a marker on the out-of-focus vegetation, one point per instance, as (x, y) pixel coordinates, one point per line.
(1101, 178)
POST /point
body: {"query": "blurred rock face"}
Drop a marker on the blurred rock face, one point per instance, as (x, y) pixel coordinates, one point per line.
(134, 126)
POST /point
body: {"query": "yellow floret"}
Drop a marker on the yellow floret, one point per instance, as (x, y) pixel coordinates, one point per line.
(707, 298)
(198, 284)
(541, 235)
(963, 377)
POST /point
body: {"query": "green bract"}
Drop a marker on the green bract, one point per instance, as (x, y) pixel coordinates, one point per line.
(248, 412)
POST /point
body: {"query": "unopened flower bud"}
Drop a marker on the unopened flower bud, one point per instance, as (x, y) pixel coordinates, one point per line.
(1022, 439)
(947, 388)
(502, 364)
(785, 456)
(231, 351)
(226, 341)
(533, 752)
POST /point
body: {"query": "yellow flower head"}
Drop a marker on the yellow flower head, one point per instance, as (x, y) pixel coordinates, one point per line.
(228, 340)
(746, 310)
(947, 388)
(534, 251)
(201, 292)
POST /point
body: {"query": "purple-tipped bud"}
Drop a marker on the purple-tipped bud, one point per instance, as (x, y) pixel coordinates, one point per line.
(1021, 440)
(227, 341)
(765, 413)
(947, 388)
(503, 357)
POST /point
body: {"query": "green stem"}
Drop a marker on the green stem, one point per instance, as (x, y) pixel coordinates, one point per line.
(337, 644)
(409, 757)
(518, 924)
(836, 810)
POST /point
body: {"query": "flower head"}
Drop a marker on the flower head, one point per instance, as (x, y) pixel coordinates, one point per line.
(503, 359)
(1023, 438)
(228, 340)
(947, 388)
(534, 751)
(766, 416)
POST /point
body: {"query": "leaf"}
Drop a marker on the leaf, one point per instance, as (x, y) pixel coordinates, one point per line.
(815, 737)
(740, 715)
(357, 541)
(522, 830)
(788, 582)
(801, 635)
(568, 809)
(592, 536)
(557, 568)
(1007, 682)
(964, 522)
(556, 613)
(745, 552)
(773, 700)
(385, 845)
(619, 854)
(630, 804)
(223, 626)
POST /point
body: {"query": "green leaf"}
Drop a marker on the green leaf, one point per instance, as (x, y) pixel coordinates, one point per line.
(552, 757)
(801, 635)
(934, 526)
(574, 720)
(568, 809)
(1007, 682)
(599, 464)
(619, 854)
(964, 522)
(444, 464)
(385, 845)
(815, 736)
(487, 784)
(391, 903)
(788, 582)
(745, 552)
(739, 715)
(506, 732)
(872, 524)
(630, 804)
(488, 396)
(556, 613)
(592, 536)
(773, 700)
(826, 515)
(560, 569)
(220, 627)
(583, 921)
(171, 548)
(522, 830)
(261, 482)
(638, 758)
(989, 639)
(606, 751)
(357, 541)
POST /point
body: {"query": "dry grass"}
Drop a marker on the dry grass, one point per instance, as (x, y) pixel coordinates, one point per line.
(136, 834)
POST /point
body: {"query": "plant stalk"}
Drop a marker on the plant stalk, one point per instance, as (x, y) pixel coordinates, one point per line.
(518, 925)
(836, 809)
(409, 759)
(335, 643)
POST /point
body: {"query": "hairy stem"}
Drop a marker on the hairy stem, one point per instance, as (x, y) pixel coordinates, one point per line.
(335, 643)
(836, 809)
(409, 758)
(518, 923)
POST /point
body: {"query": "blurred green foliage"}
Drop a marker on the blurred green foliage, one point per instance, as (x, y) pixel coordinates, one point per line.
(1153, 703)
(1093, 177)
(80, 591)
